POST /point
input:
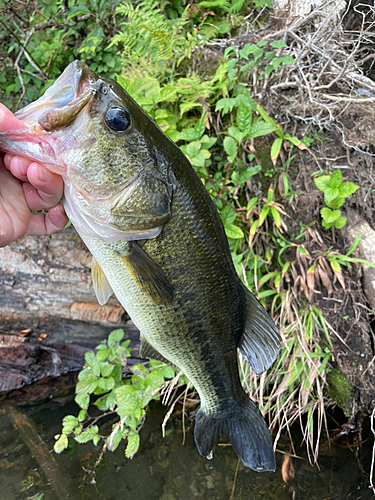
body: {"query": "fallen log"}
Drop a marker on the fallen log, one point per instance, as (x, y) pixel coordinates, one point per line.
(49, 315)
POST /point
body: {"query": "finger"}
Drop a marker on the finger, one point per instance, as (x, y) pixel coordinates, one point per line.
(18, 165)
(14, 212)
(50, 186)
(6, 160)
(46, 224)
(34, 200)
(8, 121)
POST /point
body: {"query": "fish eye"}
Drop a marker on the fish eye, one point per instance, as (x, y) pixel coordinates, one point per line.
(118, 119)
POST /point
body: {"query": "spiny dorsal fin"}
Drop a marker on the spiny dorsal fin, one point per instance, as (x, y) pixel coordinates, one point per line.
(148, 274)
(260, 342)
(100, 283)
(146, 350)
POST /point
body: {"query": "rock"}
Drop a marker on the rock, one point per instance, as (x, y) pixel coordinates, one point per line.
(358, 226)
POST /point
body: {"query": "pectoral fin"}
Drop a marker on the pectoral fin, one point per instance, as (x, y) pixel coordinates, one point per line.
(148, 274)
(260, 342)
(100, 283)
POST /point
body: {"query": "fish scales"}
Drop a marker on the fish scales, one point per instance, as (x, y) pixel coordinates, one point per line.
(159, 244)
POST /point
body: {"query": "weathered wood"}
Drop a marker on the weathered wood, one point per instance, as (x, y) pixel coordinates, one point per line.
(366, 247)
(54, 473)
(286, 12)
(42, 277)
(24, 360)
(45, 286)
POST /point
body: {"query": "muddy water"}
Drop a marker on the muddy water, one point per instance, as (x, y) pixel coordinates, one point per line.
(164, 469)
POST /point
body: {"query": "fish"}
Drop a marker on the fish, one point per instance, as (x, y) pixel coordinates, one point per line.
(159, 245)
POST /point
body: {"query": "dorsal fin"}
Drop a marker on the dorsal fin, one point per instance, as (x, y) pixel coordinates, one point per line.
(260, 342)
(100, 283)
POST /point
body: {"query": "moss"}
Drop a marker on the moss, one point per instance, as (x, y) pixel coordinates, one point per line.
(340, 389)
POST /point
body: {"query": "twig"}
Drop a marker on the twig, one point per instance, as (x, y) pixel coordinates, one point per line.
(234, 481)
(347, 99)
(373, 454)
(18, 69)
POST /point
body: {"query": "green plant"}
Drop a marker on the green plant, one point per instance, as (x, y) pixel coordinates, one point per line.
(127, 398)
(335, 192)
(45, 36)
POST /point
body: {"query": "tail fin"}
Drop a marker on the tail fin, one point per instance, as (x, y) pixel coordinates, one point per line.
(247, 431)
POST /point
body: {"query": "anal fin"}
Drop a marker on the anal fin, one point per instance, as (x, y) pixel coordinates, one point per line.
(260, 342)
(148, 274)
(146, 350)
(100, 283)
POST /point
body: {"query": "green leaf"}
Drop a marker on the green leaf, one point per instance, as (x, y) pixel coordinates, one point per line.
(165, 370)
(340, 222)
(106, 369)
(133, 445)
(69, 423)
(335, 265)
(102, 354)
(233, 231)
(87, 385)
(335, 180)
(155, 380)
(114, 439)
(244, 117)
(276, 216)
(87, 435)
(230, 146)
(354, 245)
(82, 400)
(330, 215)
(93, 363)
(263, 215)
(327, 225)
(348, 188)
(249, 172)
(115, 336)
(278, 44)
(199, 159)
(263, 113)
(266, 278)
(322, 182)
(194, 133)
(247, 50)
(107, 384)
(79, 10)
(228, 215)
(335, 203)
(236, 133)
(82, 415)
(330, 194)
(287, 59)
(61, 443)
(260, 128)
(193, 149)
(275, 149)
(225, 105)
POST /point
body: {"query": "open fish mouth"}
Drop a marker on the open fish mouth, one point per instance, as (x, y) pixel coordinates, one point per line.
(61, 102)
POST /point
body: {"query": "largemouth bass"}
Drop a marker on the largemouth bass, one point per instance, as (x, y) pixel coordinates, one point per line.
(159, 245)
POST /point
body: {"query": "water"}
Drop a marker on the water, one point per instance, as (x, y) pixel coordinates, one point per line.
(162, 470)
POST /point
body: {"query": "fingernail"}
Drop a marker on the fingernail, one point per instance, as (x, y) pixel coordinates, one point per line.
(44, 175)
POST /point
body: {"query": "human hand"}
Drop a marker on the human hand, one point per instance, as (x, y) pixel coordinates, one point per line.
(27, 186)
